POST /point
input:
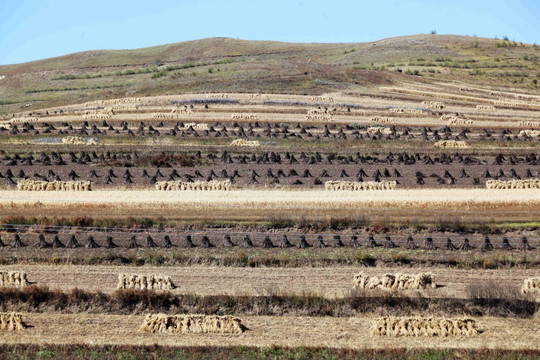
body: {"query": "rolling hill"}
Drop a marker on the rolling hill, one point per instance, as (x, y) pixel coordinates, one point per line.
(231, 65)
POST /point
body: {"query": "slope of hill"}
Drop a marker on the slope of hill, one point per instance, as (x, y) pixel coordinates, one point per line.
(224, 64)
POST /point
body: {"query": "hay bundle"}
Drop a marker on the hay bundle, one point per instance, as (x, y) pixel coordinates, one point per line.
(458, 121)
(397, 281)
(513, 184)
(485, 107)
(195, 126)
(243, 142)
(197, 185)
(503, 102)
(451, 144)
(192, 324)
(322, 98)
(11, 321)
(145, 282)
(125, 107)
(217, 96)
(112, 102)
(77, 140)
(175, 113)
(13, 279)
(318, 111)
(412, 326)
(319, 117)
(106, 113)
(372, 130)
(437, 105)
(244, 116)
(24, 119)
(383, 119)
(532, 124)
(39, 185)
(336, 185)
(405, 111)
(531, 133)
(258, 97)
(531, 285)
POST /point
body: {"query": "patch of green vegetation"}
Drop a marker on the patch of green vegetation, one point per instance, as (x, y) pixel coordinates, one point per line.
(79, 352)
(35, 91)
(75, 77)
(159, 74)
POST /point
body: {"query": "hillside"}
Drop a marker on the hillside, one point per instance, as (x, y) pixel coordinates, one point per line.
(231, 65)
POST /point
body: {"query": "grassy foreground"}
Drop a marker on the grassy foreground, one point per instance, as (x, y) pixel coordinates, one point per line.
(155, 352)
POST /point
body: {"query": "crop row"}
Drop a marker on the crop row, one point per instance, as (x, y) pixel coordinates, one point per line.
(265, 241)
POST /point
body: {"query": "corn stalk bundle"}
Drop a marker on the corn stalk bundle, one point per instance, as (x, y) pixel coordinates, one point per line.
(11, 321)
(383, 119)
(437, 105)
(192, 324)
(244, 142)
(13, 279)
(531, 285)
(336, 185)
(40, 185)
(145, 282)
(450, 144)
(397, 281)
(244, 116)
(197, 185)
(416, 326)
(513, 184)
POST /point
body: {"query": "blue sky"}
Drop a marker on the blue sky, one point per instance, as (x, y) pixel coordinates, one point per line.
(37, 29)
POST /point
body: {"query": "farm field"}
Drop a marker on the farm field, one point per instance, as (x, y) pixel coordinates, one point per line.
(309, 212)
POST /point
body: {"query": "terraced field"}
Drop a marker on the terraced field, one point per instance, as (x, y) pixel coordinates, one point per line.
(274, 203)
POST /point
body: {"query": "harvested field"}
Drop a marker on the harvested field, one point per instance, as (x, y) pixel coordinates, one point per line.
(282, 197)
(287, 331)
(328, 282)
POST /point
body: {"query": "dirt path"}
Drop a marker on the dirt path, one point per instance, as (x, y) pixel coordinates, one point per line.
(285, 331)
(327, 282)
